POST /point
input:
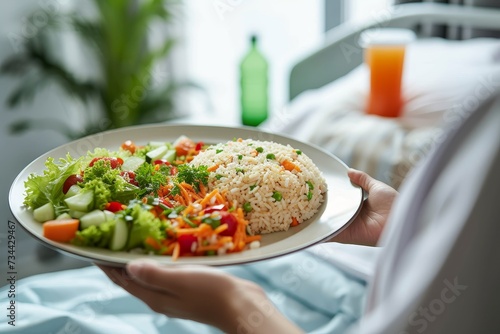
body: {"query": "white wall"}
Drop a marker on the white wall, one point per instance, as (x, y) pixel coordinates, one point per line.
(217, 38)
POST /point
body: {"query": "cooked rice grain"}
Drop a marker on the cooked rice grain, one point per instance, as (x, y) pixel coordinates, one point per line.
(250, 176)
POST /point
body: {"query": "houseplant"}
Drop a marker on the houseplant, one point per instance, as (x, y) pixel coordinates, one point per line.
(116, 37)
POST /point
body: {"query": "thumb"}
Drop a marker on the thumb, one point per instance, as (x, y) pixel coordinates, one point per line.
(361, 179)
(150, 273)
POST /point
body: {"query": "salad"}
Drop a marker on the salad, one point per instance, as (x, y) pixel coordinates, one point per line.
(145, 199)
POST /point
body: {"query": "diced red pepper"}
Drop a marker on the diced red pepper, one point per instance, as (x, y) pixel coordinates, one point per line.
(219, 207)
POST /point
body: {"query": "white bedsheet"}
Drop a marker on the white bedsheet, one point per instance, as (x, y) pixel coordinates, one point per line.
(440, 79)
(316, 295)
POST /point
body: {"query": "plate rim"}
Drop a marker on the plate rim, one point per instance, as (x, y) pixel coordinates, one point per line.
(124, 261)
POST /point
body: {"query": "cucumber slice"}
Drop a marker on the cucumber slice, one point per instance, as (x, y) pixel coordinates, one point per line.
(44, 213)
(76, 214)
(120, 235)
(156, 154)
(157, 143)
(170, 156)
(64, 216)
(132, 163)
(109, 215)
(83, 201)
(72, 191)
(96, 217)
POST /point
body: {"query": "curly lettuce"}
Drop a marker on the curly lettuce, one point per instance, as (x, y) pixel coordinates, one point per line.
(144, 224)
(47, 188)
(100, 152)
(95, 235)
(107, 184)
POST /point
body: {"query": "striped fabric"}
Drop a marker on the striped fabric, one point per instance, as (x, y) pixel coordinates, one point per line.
(456, 32)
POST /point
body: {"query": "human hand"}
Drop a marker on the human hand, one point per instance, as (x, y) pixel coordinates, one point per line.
(368, 225)
(202, 294)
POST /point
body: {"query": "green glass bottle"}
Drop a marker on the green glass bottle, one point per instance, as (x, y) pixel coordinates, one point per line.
(254, 86)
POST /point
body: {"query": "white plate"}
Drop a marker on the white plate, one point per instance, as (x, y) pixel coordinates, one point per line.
(342, 204)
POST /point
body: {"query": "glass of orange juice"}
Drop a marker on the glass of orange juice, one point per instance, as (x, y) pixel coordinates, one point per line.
(384, 54)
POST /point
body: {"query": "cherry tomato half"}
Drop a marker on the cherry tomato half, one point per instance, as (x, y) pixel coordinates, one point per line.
(161, 162)
(183, 146)
(199, 146)
(186, 241)
(70, 181)
(231, 222)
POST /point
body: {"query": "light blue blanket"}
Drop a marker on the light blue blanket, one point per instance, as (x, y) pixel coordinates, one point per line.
(310, 291)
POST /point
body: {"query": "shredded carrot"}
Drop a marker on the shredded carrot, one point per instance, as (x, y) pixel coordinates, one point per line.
(295, 222)
(152, 243)
(221, 228)
(188, 210)
(185, 194)
(207, 198)
(176, 252)
(180, 200)
(170, 249)
(203, 190)
(250, 238)
(213, 168)
(224, 240)
(220, 199)
(208, 248)
(185, 231)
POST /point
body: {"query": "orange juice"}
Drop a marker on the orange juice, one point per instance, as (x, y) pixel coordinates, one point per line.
(384, 55)
(386, 72)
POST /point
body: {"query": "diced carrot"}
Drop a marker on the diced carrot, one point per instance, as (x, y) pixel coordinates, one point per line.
(61, 230)
(290, 166)
(295, 222)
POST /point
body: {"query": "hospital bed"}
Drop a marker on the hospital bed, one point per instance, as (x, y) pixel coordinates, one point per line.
(323, 297)
(329, 62)
(328, 88)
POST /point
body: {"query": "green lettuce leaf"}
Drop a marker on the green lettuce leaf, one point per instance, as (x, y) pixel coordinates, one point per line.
(45, 188)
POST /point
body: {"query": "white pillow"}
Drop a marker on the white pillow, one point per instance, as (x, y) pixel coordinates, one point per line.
(442, 81)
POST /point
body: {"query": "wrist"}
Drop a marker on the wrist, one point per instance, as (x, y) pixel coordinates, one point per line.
(250, 311)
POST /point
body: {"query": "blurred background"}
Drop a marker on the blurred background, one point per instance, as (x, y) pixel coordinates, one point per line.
(72, 68)
(58, 56)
